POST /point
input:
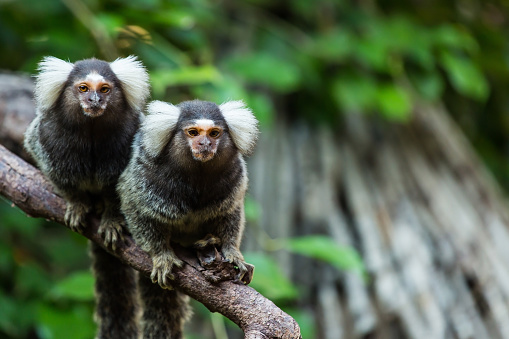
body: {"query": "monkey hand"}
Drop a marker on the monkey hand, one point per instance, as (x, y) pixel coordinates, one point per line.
(162, 266)
(110, 230)
(233, 255)
(75, 215)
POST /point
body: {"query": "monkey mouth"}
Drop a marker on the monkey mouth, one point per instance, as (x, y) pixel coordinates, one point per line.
(203, 156)
(94, 111)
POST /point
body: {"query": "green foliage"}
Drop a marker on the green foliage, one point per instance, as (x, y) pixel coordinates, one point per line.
(269, 280)
(78, 286)
(326, 249)
(39, 293)
(362, 60)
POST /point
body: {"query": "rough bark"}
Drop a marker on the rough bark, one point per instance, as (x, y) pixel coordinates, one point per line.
(205, 277)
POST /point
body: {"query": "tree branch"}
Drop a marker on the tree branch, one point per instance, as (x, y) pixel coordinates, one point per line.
(257, 316)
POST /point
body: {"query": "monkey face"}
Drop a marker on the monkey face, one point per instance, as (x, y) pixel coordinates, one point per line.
(203, 137)
(94, 93)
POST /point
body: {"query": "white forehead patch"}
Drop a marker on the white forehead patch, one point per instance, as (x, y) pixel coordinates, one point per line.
(95, 77)
(205, 123)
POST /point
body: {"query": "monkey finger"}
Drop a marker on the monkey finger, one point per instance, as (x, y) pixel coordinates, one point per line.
(154, 276)
(113, 239)
(164, 282)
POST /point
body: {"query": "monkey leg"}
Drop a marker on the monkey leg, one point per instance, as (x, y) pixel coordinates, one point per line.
(209, 240)
(116, 309)
(164, 311)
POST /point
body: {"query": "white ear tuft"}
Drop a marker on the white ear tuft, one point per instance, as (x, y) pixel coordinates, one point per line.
(242, 124)
(158, 126)
(134, 78)
(53, 74)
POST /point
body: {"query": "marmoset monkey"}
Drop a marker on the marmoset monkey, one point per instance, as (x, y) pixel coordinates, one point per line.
(87, 115)
(185, 183)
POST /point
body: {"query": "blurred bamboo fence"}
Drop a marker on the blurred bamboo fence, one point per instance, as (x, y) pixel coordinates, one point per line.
(415, 200)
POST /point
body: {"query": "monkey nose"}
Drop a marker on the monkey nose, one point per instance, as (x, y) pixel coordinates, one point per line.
(205, 142)
(94, 98)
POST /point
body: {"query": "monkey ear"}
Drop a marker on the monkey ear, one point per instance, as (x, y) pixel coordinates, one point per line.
(158, 126)
(134, 78)
(53, 74)
(242, 124)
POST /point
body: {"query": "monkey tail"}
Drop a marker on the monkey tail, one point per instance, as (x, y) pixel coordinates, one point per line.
(164, 311)
(117, 306)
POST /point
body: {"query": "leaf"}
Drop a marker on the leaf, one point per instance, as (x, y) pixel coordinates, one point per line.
(55, 323)
(429, 84)
(335, 45)
(353, 92)
(268, 278)
(251, 209)
(77, 286)
(465, 76)
(31, 279)
(262, 107)
(452, 36)
(326, 249)
(161, 79)
(394, 102)
(17, 316)
(306, 320)
(373, 53)
(265, 69)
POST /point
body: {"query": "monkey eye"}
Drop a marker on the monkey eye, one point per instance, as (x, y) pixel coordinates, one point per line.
(105, 89)
(215, 133)
(83, 88)
(193, 132)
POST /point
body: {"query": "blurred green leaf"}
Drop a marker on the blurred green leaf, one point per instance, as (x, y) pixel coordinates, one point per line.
(262, 108)
(335, 45)
(394, 102)
(32, 280)
(15, 220)
(111, 22)
(306, 321)
(55, 323)
(265, 69)
(430, 85)
(175, 17)
(354, 93)
(77, 286)
(448, 35)
(324, 248)
(182, 76)
(465, 76)
(251, 209)
(373, 53)
(17, 315)
(268, 278)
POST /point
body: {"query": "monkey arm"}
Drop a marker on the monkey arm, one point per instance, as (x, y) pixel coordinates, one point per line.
(154, 238)
(229, 229)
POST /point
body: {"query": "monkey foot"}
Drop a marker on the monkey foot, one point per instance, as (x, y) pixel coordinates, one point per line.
(75, 215)
(162, 267)
(111, 231)
(209, 240)
(234, 256)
